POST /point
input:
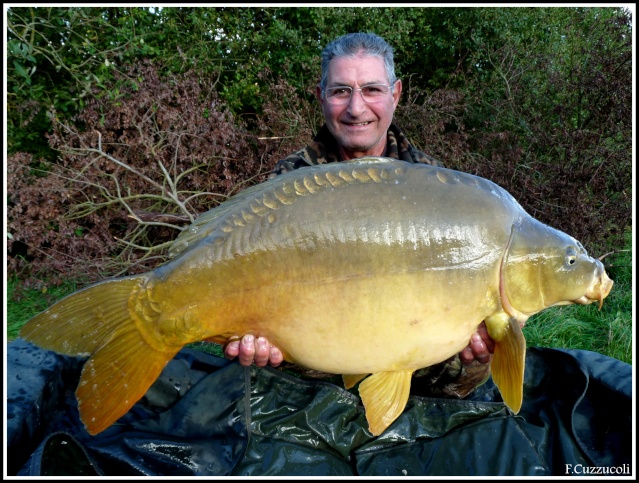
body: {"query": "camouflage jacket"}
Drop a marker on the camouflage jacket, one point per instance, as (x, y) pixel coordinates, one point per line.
(324, 149)
(448, 378)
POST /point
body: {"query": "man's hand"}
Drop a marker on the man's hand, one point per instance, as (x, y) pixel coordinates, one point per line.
(251, 351)
(480, 347)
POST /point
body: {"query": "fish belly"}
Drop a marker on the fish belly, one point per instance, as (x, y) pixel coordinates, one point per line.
(334, 316)
(375, 325)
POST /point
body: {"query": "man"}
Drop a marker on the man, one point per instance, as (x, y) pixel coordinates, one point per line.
(358, 94)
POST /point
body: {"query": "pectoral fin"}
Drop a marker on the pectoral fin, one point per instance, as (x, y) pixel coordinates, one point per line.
(384, 396)
(509, 358)
(351, 379)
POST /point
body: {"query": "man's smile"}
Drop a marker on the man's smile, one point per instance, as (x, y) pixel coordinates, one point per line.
(365, 123)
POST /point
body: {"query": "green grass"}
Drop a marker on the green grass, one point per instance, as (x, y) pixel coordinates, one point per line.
(30, 303)
(607, 331)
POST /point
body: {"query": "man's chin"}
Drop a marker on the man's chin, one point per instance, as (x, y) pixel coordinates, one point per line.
(364, 146)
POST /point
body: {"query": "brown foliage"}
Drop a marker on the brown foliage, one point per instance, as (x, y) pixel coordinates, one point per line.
(289, 119)
(436, 123)
(59, 247)
(166, 146)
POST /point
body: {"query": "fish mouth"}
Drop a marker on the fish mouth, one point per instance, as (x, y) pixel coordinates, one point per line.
(598, 291)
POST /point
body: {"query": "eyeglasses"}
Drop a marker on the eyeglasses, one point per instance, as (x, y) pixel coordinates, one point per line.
(341, 95)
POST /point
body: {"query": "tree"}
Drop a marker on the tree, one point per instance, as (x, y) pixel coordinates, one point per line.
(57, 55)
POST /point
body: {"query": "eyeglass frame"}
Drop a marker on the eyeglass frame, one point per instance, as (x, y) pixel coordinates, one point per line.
(352, 89)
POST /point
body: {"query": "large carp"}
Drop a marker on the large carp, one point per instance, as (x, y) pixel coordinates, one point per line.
(374, 267)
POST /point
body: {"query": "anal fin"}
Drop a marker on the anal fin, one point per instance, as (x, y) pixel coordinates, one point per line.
(384, 396)
(351, 379)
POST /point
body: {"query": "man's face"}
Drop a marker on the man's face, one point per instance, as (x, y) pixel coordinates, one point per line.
(359, 127)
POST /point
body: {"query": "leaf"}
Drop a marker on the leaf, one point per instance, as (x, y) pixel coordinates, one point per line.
(20, 69)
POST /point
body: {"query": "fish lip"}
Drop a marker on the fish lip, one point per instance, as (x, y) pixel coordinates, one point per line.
(584, 300)
(598, 291)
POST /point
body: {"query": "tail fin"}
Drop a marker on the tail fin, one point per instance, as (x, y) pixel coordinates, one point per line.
(97, 322)
(116, 377)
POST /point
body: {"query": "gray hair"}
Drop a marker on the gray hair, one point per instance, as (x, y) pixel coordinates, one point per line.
(350, 45)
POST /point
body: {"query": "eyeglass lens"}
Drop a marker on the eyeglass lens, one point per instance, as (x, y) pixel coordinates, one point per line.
(343, 94)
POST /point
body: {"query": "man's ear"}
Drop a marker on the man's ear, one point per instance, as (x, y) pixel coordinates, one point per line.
(397, 92)
(318, 94)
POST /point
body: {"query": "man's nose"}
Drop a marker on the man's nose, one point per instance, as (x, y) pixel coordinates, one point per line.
(356, 104)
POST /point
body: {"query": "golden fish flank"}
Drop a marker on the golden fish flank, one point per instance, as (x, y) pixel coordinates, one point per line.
(371, 257)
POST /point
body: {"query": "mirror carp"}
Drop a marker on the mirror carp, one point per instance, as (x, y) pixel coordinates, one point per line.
(371, 269)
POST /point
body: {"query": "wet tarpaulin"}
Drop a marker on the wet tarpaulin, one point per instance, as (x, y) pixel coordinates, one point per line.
(208, 416)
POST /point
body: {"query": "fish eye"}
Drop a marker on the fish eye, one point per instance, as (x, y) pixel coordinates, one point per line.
(571, 256)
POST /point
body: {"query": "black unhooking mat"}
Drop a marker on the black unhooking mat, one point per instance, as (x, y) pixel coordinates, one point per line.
(208, 416)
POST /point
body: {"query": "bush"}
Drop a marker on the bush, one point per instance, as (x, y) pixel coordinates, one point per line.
(134, 168)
